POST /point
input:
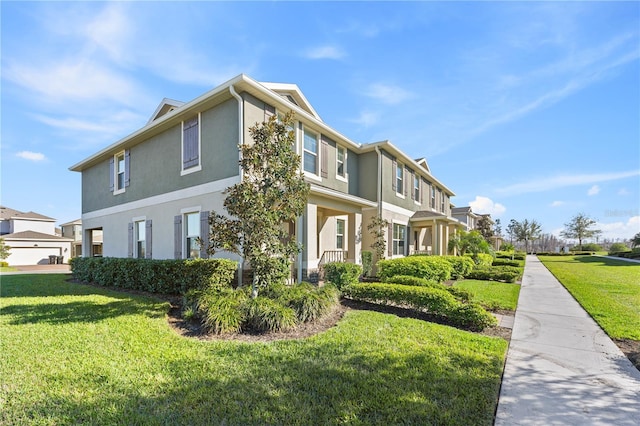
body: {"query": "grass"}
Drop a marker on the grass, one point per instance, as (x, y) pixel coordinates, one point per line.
(74, 354)
(492, 294)
(7, 269)
(608, 289)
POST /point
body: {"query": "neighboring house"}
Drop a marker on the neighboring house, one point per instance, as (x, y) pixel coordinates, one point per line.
(73, 230)
(466, 216)
(31, 237)
(496, 240)
(151, 192)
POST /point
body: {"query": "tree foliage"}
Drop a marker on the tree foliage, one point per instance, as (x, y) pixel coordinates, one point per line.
(469, 242)
(5, 250)
(485, 226)
(376, 228)
(526, 230)
(580, 227)
(271, 194)
(635, 241)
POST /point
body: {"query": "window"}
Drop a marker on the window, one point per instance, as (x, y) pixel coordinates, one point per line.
(192, 233)
(433, 197)
(119, 172)
(310, 152)
(340, 234)
(416, 188)
(191, 144)
(340, 161)
(441, 195)
(399, 232)
(140, 239)
(399, 179)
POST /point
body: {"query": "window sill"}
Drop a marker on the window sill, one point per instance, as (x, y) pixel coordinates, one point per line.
(119, 191)
(400, 195)
(191, 170)
(312, 176)
(342, 178)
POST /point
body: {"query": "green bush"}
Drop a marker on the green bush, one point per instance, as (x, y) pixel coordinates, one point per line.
(586, 247)
(265, 314)
(461, 265)
(495, 273)
(510, 255)
(156, 276)
(3, 264)
(434, 268)
(458, 293)
(433, 300)
(222, 311)
(618, 248)
(367, 262)
(342, 274)
(483, 259)
(505, 262)
(308, 301)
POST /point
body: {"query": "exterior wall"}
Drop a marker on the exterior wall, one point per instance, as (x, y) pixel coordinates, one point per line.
(156, 163)
(21, 225)
(368, 176)
(161, 211)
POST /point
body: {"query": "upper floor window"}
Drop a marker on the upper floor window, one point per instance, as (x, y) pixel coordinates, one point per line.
(416, 188)
(141, 239)
(441, 195)
(310, 157)
(191, 145)
(433, 197)
(341, 157)
(399, 237)
(340, 234)
(119, 172)
(399, 179)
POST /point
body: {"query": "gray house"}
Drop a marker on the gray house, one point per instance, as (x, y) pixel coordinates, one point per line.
(150, 193)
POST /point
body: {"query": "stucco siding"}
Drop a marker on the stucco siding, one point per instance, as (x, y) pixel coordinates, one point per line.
(368, 176)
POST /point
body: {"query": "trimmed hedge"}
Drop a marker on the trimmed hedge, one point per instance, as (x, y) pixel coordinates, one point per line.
(435, 301)
(505, 262)
(459, 293)
(342, 274)
(152, 275)
(435, 268)
(461, 265)
(510, 255)
(574, 253)
(483, 259)
(495, 273)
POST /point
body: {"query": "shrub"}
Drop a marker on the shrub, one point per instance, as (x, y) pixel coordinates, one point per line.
(617, 248)
(495, 273)
(222, 311)
(483, 259)
(367, 262)
(3, 264)
(156, 276)
(505, 262)
(342, 274)
(265, 314)
(586, 247)
(459, 293)
(434, 268)
(461, 266)
(435, 301)
(308, 301)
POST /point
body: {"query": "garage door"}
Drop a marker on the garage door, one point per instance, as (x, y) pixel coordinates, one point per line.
(32, 255)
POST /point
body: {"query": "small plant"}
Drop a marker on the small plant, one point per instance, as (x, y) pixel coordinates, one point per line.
(434, 268)
(342, 274)
(265, 314)
(367, 263)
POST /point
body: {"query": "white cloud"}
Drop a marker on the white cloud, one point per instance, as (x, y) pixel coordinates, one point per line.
(31, 156)
(594, 190)
(623, 191)
(557, 204)
(388, 94)
(484, 205)
(325, 52)
(366, 118)
(561, 181)
(622, 230)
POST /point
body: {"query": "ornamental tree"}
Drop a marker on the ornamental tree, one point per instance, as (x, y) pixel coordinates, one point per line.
(527, 230)
(580, 227)
(4, 250)
(271, 194)
(469, 242)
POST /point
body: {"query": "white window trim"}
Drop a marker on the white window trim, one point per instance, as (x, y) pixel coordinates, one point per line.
(184, 212)
(135, 220)
(344, 228)
(117, 190)
(406, 242)
(197, 168)
(417, 200)
(312, 175)
(395, 176)
(344, 178)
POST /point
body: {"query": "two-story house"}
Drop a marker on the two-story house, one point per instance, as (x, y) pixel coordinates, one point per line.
(32, 238)
(73, 230)
(150, 193)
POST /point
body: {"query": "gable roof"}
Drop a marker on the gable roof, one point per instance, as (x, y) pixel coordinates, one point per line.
(8, 213)
(33, 235)
(166, 106)
(293, 94)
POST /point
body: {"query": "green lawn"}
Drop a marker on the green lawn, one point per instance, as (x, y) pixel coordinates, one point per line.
(492, 294)
(74, 354)
(608, 289)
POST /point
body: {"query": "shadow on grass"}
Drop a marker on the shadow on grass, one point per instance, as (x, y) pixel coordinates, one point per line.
(605, 261)
(74, 312)
(313, 382)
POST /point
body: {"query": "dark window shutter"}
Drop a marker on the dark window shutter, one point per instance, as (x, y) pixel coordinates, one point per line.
(177, 234)
(406, 182)
(130, 248)
(412, 183)
(394, 174)
(390, 240)
(112, 173)
(148, 242)
(204, 234)
(127, 155)
(324, 159)
(190, 143)
(407, 239)
(269, 111)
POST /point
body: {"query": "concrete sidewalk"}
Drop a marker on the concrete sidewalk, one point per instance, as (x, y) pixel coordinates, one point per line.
(40, 269)
(561, 368)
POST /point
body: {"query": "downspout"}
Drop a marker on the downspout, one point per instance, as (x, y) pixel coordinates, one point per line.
(379, 181)
(233, 92)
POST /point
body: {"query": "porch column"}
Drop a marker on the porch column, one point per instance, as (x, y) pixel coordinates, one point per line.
(87, 243)
(354, 239)
(300, 241)
(310, 240)
(446, 239)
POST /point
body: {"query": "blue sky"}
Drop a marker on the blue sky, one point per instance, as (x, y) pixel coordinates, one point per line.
(525, 110)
